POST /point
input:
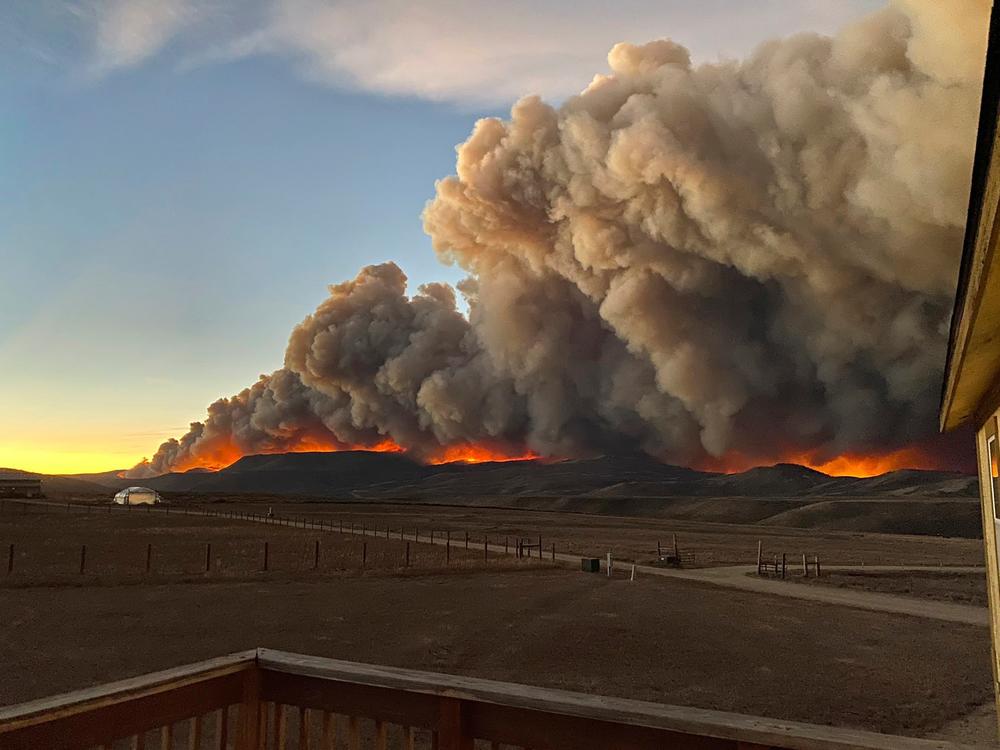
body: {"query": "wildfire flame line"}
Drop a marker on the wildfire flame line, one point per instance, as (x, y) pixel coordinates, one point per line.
(226, 454)
(844, 465)
(848, 464)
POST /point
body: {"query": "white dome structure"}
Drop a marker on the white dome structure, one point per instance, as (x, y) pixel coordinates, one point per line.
(138, 496)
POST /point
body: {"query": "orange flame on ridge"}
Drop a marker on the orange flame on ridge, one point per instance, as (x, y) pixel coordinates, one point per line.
(221, 454)
(470, 453)
(216, 457)
(844, 465)
(933, 453)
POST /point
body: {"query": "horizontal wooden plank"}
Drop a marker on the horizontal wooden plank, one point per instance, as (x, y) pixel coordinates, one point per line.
(99, 714)
(45, 709)
(395, 706)
(682, 720)
(114, 720)
(502, 712)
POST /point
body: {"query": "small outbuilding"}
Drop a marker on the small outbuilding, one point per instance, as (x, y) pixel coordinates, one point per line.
(17, 484)
(138, 496)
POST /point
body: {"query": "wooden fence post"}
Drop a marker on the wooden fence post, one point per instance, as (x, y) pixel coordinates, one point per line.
(316, 556)
(447, 549)
(553, 551)
(816, 560)
(486, 549)
(149, 557)
(432, 536)
(760, 547)
(467, 540)
(451, 734)
(208, 557)
(805, 566)
(539, 548)
(251, 717)
(83, 559)
(364, 554)
(782, 564)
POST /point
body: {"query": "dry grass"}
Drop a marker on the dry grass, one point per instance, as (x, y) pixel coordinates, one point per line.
(48, 546)
(942, 586)
(634, 539)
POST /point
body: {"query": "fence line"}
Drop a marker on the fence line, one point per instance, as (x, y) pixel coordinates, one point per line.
(19, 556)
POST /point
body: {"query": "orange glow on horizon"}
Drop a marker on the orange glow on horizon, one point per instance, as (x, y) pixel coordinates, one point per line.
(220, 456)
(224, 454)
(468, 453)
(216, 457)
(844, 465)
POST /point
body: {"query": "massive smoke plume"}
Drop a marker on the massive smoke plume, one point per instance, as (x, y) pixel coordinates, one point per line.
(752, 257)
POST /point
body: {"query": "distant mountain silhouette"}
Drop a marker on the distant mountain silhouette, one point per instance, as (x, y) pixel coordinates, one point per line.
(909, 501)
(365, 474)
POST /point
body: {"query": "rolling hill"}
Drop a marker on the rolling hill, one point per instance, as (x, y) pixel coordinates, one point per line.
(905, 501)
(364, 474)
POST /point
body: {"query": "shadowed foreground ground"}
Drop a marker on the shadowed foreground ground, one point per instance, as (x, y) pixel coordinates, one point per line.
(660, 640)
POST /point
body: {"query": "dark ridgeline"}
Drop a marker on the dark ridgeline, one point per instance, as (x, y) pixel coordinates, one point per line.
(366, 474)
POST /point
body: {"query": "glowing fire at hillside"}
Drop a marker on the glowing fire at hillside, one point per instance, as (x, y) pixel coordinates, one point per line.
(225, 454)
(478, 454)
(220, 454)
(845, 465)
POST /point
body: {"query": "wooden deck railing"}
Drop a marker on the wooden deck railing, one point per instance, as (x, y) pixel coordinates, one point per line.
(272, 700)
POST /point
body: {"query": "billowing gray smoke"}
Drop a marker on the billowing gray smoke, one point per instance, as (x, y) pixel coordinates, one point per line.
(748, 257)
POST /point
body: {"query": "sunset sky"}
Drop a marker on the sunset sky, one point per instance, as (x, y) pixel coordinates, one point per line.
(181, 180)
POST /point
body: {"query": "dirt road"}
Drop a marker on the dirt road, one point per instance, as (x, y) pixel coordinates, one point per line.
(737, 577)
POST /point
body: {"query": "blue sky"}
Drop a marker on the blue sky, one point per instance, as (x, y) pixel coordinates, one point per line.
(180, 180)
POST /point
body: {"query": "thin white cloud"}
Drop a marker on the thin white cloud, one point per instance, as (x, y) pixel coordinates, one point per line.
(128, 32)
(489, 52)
(466, 51)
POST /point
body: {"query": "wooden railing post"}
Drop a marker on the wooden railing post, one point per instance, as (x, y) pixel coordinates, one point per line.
(450, 730)
(250, 734)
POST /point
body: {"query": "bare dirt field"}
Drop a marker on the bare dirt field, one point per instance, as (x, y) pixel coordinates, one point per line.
(665, 640)
(964, 588)
(634, 539)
